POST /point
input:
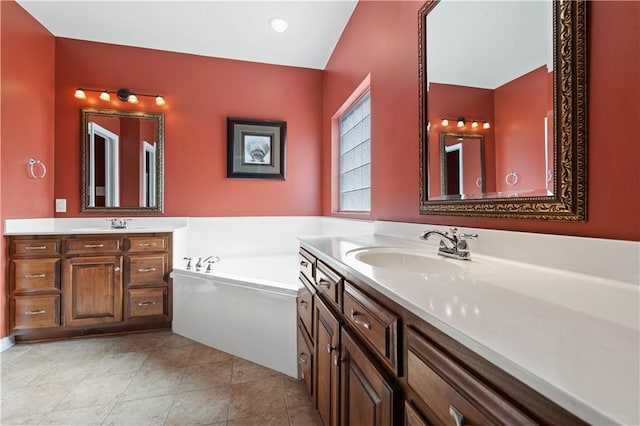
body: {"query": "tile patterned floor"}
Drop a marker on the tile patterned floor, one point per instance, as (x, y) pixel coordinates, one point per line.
(157, 378)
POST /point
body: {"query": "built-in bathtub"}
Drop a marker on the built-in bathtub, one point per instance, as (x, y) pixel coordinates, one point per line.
(245, 306)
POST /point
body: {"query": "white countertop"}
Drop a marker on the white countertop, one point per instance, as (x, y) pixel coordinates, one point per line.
(79, 226)
(572, 337)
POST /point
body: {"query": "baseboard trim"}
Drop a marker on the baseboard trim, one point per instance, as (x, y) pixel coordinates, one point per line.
(6, 343)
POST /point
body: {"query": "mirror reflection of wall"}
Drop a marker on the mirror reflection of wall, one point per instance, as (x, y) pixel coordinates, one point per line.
(501, 73)
(462, 171)
(121, 161)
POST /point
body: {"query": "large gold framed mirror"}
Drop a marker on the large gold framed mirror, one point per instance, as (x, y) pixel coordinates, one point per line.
(122, 162)
(512, 74)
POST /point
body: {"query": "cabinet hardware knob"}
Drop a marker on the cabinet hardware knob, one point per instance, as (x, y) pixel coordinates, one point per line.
(35, 276)
(146, 303)
(304, 304)
(147, 270)
(42, 311)
(336, 360)
(116, 269)
(35, 247)
(457, 415)
(146, 244)
(304, 263)
(93, 245)
(303, 358)
(330, 348)
(354, 316)
(324, 283)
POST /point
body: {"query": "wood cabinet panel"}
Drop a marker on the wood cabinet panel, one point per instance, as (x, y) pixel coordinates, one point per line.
(368, 396)
(144, 244)
(147, 302)
(88, 246)
(34, 247)
(306, 308)
(327, 371)
(412, 417)
(449, 391)
(376, 324)
(35, 275)
(307, 265)
(329, 283)
(305, 360)
(92, 289)
(36, 311)
(147, 269)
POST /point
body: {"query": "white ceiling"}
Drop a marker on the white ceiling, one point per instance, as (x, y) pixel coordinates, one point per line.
(233, 29)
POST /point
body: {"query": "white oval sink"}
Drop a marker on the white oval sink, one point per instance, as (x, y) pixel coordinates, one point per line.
(406, 259)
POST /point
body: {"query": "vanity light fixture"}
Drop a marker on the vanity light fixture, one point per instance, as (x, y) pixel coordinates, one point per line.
(278, 25)
(462, 122)
(125, 95)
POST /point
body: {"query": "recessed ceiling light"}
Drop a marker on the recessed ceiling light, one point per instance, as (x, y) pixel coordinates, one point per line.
(279, 25)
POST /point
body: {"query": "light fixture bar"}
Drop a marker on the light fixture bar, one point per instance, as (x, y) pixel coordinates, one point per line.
(125, 95)
(462, 122)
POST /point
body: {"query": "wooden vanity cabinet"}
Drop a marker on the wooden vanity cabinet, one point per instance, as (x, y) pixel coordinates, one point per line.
(376, 363)
(73, 285)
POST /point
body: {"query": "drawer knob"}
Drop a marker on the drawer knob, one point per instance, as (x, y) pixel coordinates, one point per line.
(147, 270)
(324, 283)
(35, 276)
(41, 311)
(146, 303)
(35, 247)
(116, 269)
(93, 245)
(304, 304)
(304, 264)
(457, 415)
(329, 348)
(146, 244)
(303, 358)
(354, 316)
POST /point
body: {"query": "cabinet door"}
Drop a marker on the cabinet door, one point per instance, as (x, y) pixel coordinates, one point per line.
(305, 359)
(92, 289)
(327, 333)
(147, 269)
(368, 397)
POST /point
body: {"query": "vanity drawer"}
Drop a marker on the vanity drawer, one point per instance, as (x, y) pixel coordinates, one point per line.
(449, 391)
(146, 244)
(92, 245)
(39, 311)
(376, 324)
(35, 247)
(29, 275)
(305, 359)
(307, 264)
(329, 283)
(305, 308)
(147, 302)
(146, 269)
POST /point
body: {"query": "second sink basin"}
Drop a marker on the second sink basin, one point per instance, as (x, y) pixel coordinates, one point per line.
(406, 259)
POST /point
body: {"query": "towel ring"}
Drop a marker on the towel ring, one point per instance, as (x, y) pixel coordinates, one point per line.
(32, 169)
(512, 178)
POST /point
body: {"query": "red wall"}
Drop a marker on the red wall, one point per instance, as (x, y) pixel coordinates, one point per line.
(200, 92)
(27, 121)
(390, 56)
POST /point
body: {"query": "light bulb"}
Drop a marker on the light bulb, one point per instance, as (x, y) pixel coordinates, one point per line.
(80, 94)
(445, 122)
(474, 124)
(105, 96)
(160, 100)
(460, 123)
(132, 99)
(279, 25)
(486, 125)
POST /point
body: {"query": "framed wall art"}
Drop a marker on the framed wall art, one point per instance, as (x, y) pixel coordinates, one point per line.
(256, 148)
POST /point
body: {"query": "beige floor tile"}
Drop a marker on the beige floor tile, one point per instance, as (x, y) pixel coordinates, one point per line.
(174, 356)
(118, 363)
(202, 376)
(269, 418)
(296, 393)
(256, 397)
(202, 407)
(88, 416)
(303, 416)
(35, 399)
(244, 371)
(147, 411)
(172, 340)
(17, 374)
(94, 391)
(13, 353)
(203, 354)
(67, 369)
(154, 382)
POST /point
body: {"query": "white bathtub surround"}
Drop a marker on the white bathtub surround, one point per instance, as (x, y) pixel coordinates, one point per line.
(611, 259)
(6, 343)
(572, 337)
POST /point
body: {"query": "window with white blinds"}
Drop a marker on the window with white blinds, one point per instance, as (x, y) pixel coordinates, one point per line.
(355, 157)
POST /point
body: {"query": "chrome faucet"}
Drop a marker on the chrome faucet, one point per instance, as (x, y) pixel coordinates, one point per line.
(454, 245)
(117, 223)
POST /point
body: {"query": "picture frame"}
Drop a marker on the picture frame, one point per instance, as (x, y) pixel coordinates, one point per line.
(256, 148)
